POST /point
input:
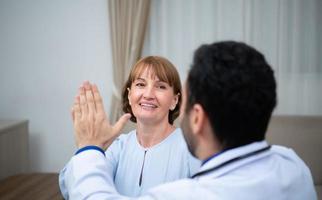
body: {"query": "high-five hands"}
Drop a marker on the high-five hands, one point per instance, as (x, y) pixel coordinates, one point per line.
(91, 125)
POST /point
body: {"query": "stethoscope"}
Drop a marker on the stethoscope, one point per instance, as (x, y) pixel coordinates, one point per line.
(253, 153)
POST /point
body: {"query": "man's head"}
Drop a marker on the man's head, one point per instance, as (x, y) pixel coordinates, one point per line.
(234, 87)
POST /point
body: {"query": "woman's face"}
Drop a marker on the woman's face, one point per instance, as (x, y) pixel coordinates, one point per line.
(151, 99)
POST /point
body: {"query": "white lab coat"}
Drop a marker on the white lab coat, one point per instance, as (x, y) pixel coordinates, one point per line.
(277, 173)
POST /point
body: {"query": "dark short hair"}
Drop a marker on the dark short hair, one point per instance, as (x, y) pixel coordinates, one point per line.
(161, 68)
(236, 87)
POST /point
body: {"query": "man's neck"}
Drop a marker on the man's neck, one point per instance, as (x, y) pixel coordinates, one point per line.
(208, 154)
(208, 148)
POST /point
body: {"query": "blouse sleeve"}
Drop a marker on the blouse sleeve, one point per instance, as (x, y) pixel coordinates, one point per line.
(194, 164)
(112, 155)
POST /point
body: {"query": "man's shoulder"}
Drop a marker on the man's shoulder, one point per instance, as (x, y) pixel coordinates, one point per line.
(287, 154)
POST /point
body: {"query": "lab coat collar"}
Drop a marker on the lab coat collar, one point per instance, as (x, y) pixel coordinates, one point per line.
(231, 154)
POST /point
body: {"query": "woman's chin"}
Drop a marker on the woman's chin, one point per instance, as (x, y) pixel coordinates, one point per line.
(149, 119)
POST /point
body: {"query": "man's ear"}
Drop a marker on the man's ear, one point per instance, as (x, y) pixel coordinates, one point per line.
(197, 119)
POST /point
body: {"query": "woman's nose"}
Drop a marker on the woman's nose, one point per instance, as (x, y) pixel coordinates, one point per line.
(148, 92)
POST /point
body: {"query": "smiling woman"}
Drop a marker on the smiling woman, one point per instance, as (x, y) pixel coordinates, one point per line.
(153, 83)
(155, 152)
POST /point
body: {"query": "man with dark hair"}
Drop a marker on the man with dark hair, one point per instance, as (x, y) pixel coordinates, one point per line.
(236, 88)
(228, 100)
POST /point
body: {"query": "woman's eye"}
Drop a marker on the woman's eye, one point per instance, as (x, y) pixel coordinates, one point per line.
(162, 87)
(139, 84)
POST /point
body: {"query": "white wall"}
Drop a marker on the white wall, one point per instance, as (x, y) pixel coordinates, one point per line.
(47, 48)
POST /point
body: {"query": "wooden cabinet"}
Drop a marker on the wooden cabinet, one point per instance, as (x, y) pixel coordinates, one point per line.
(14, 148)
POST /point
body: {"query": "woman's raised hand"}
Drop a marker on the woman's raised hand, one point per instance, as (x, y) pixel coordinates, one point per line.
(91, 125)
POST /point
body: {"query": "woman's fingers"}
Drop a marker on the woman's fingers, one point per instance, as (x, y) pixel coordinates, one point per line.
(89, 100)
(72, 113)
(76, 109)
(98, 101)
(83, 103)
(121, 123)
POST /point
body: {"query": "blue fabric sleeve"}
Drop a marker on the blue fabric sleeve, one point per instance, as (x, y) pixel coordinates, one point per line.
(90, 148)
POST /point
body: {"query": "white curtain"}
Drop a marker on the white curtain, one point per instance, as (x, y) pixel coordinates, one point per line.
(288, 32)
(128, 19)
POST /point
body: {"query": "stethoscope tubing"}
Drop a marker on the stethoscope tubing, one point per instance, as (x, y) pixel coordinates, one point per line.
(253, 153)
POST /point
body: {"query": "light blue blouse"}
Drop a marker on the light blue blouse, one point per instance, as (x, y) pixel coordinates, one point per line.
(136, 169)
